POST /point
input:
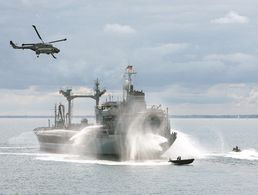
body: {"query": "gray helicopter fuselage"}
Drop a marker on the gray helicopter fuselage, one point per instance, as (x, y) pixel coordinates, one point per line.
(40, 48)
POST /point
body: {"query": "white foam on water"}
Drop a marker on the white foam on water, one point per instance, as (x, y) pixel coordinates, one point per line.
(70, 159)
(43, 155)
(247, 154)
(18, 153)
(17, 147)
(22, 154)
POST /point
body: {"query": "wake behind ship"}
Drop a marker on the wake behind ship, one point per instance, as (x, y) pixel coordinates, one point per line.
(126, 129)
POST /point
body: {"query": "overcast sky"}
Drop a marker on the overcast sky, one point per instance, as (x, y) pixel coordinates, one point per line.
(193, 56)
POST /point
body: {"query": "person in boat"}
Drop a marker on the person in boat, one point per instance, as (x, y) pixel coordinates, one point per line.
(178, 158)
(236, 149)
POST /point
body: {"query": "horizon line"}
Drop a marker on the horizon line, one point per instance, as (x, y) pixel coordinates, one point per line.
(171, 116)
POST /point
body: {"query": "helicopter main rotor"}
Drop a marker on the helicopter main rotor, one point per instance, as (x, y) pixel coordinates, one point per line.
(37, 33)
(35, 28)
(58, 40)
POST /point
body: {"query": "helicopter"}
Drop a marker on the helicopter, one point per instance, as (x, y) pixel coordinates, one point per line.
(39, 48)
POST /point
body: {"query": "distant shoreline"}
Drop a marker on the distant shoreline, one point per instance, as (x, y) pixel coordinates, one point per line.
(171, 116)
(216, 116)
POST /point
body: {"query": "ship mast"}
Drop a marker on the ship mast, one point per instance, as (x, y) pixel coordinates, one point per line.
(128, 83)
(68, 95)
(98, 93)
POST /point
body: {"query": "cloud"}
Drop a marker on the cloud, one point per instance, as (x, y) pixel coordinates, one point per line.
(233, 57)
(83, 91)
(231, 18)
(119, 29)
(35, 100)
(165, 49)
(159, 54)
(224, 98)
(252, 97)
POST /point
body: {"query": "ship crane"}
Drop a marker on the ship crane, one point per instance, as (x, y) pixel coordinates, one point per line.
(69, 96)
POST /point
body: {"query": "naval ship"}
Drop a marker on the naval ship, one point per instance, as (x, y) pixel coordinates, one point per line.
(127, 129)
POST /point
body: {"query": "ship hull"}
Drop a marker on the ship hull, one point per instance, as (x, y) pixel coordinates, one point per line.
(99, 145)
(59, 141)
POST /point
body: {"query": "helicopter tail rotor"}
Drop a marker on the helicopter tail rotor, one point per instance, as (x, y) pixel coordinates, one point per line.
(12, 44)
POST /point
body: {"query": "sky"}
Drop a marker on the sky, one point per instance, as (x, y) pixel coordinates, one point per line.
(192, 56)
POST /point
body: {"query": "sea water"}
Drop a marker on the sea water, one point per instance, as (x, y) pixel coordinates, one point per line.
(24, 169)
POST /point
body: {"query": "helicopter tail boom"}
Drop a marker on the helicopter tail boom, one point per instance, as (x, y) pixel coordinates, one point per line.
(28, 44)
(24, 46)
(14, 46)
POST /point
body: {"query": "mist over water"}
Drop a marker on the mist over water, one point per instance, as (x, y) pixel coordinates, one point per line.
(85, 141)
(86, 134)
(142, 141)
(186, 147)
(142, 144)
(26, 138)
(139, 142)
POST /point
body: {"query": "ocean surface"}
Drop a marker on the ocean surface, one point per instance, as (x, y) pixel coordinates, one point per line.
(24, 169)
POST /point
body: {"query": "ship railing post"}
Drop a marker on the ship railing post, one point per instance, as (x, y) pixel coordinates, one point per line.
(69, 113)
(55, 116)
